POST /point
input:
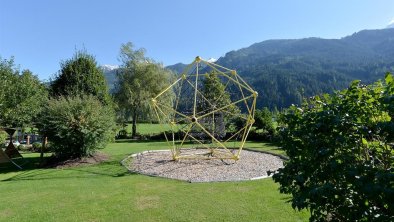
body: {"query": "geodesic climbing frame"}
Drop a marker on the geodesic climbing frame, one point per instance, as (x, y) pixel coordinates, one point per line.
(206, 113)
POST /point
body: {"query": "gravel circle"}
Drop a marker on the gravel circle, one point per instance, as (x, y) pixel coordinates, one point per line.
(251, 165)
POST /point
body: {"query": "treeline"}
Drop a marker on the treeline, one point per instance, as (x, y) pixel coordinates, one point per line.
(75, 111)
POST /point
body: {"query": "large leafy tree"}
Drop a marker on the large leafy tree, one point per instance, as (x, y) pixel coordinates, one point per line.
(21, 95)
(341, 154)
(139, 80)
(81, 75)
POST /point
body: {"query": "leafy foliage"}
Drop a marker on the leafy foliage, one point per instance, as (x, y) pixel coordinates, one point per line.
(263, 120)
(3, 137)
(81, 75)
(21, 95)
(341, 155)
(139, 80)
(77, 126)
(36, 146)
(215, 96)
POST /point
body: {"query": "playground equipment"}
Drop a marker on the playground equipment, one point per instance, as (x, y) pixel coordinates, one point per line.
(10, 152)
(209, 108)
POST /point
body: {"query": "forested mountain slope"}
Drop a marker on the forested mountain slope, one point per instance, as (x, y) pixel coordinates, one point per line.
(284, 71)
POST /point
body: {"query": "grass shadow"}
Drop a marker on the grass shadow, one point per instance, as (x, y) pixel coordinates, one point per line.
(104, 169)
(27, 163)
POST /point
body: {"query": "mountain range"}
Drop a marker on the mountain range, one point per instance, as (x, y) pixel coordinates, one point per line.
(284, 71)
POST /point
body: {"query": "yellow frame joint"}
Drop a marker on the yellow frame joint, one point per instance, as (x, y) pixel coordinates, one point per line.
(198, 59)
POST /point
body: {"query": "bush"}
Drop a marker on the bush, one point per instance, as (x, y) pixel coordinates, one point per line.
(77, 126)
(3, 136)
(21, 147)
(264, 121)
(36, 146)
(341, 154)
(122, 134)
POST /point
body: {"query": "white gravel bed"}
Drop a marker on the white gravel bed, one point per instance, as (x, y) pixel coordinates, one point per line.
(252, 165)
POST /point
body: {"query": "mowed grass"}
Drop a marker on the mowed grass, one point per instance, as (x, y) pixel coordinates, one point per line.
(149, 129)
(107, 192)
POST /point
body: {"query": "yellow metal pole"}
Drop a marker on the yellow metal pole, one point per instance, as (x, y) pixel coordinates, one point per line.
(169, 87)
(214, 64)
(195, 88)
(242, 93)
(199, 93)
(250, 123)
(238, 132)
(224, 107)
(249, 89)
(216, 140)
(178, 96)
(162, 128)
(181, 114)
(225, 87)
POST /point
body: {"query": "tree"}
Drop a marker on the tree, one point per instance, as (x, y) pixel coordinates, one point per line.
(21, 95)
(215, 93)
(139, 80)
(77, 126)
(81, 75)
(341, 156)
(214, 96)
(263, 120)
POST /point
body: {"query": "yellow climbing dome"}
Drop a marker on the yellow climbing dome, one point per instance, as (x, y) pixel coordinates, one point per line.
(207, 112)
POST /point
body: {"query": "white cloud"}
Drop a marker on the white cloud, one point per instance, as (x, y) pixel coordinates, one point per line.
(212, 60)
(109, 67)
(391, 24)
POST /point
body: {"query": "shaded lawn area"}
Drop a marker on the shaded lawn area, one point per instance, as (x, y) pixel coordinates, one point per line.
(107, 192)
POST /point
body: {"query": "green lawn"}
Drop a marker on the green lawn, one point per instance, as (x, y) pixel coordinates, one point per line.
(149, 129)
(107, 192)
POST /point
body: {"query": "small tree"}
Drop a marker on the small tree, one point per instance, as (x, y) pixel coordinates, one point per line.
(139, 79)
(77, 126)
(341, 156)
(264, 121)
(81, 75)
(215, 93)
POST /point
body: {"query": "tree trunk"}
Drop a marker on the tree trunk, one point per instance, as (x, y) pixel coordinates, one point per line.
(134, 127)
(43, 147)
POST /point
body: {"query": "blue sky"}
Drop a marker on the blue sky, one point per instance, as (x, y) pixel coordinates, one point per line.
(42, 33)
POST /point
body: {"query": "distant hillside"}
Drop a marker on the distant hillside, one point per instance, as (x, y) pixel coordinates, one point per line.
(284, 71)
(177, 68)
(110, 75)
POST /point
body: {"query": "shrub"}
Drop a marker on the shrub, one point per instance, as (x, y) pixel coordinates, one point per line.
(264, 121)
(77, 126)
(36, 146)
(122, 134)
(21, 147)
(3, 137)
(341, 154)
